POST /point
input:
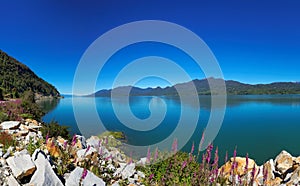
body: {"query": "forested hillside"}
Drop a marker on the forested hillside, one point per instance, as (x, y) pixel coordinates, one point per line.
(16, 78)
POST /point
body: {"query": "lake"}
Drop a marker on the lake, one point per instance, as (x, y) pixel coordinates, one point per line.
(261, 125)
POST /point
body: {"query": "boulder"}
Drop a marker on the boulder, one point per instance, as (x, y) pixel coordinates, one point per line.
(21, 165)
(128, 171)
(10, 180)
(9, 125)
(240, 167)
(283, 162)
(86, 153)
(44, 174)
(295, 178)
(81, 143)
(90, 179)
(93, 141)
(269, 168)
(52, 148)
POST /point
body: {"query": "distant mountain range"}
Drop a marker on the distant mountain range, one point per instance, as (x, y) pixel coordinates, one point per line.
(232, 88)
(16, 78)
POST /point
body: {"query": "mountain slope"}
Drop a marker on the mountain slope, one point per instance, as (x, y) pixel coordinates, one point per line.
(232, 88)
(16, 78)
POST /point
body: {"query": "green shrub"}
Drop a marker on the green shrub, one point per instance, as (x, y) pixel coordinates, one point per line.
(53, 129)
(7, 140)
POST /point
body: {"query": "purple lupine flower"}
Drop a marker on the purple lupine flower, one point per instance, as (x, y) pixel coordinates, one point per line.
(156, 154)
(193, 148)
(99, 142)
(148, 155)
(174, 145)
(253, 174)
(109, 157)
(87, 149)
(65, 144)
(183, 165)
(100, 151)
(226, 157)
(247, 162)
(208, 153)
(201, 142)
(47, 137)
(265, 174)
(151, 176)
(84, 174)
(74, 139)
(216, 160)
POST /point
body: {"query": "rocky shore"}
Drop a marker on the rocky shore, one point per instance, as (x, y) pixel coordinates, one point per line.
(33, 160)
(54, 161)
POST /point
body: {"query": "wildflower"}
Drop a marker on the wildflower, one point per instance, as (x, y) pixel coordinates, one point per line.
(174, 146)
(253, 174)
(65, 144)
(99, 142)
(151, 176)
(208, 153)
(84, 174)
(47, 137)
(247, 162)
(148, 155)
(183, 165)
(87, 149)
(201, 141)
(74, 140)
(156, 154)
(226, 157)
(100, 151)
(265, 174)
(109, 157)
(216, 160)
(193, 148)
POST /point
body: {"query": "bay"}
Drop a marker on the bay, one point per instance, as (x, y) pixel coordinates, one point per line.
(261, 125)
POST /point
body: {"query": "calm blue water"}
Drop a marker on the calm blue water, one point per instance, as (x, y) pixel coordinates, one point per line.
(259, 125)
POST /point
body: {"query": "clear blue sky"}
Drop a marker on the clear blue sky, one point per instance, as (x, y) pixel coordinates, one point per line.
(255, 41)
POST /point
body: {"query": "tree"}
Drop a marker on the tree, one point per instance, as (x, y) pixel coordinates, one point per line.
(28, 97)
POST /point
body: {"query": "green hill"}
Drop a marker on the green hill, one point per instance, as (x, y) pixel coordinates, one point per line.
(16, 78)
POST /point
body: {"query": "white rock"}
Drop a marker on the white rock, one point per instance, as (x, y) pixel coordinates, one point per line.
(12, 181)
(21, 165)
(84, 153)
(44, 174)
(142, 161)
(90, 179)
(140, 174)
(93, 141)
(128, 171)
(31, 135)
(7, 125)
(82, 141)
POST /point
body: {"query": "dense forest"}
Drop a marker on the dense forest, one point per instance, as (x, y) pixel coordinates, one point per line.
(232, 88)
(16, 78)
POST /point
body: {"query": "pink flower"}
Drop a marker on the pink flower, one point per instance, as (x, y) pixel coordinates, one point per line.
(65, 144)
(156, 154)
(183, 165)
(247, 162)
(47, 137)
(193, 148)
(74, 140)
(174, 146)
(84, 174)
(151, 176)
(201, 141)
(148, 155)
